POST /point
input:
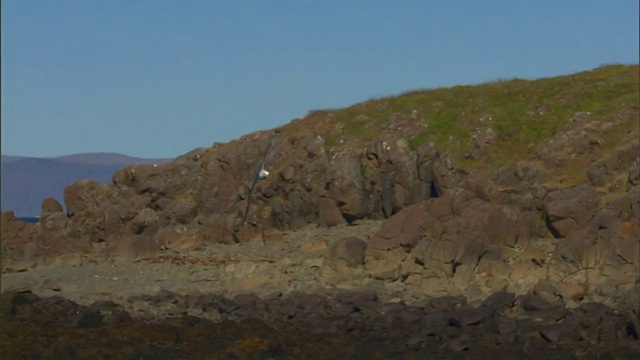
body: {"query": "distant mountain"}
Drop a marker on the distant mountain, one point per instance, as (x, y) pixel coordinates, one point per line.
(26, 181)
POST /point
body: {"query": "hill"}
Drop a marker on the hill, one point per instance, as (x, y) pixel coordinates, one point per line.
(438, 223)
(26, 181)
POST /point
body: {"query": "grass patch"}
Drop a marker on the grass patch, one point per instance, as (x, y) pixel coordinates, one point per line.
(524, 113)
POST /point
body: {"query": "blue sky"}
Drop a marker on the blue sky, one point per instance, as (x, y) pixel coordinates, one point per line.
(160, 78)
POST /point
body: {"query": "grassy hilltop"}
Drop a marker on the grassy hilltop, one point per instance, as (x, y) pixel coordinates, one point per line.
(524, 113)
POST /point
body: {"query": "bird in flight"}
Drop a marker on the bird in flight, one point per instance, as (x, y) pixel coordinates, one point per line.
(260, 174)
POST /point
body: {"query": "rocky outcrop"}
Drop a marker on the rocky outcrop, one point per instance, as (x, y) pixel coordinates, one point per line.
(446, 227)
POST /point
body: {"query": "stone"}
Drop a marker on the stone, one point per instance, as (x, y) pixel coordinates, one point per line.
(466, 316)
(329, 213)
(559, 331)
(533, 302)
(499, 300)
(89, 318)
(447, 303)
(315, 245)
(144, 220)
(569, 209)
(350, 249)
(50, 206)
(570, 290)
(270, 236)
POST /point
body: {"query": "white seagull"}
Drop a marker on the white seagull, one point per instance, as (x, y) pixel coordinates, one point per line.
(260, 174)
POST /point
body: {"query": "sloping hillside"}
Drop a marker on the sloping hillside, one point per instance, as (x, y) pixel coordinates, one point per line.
(488, 125)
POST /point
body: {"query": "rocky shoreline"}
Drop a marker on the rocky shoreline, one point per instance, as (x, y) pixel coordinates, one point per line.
(295, 297)
(342, 325)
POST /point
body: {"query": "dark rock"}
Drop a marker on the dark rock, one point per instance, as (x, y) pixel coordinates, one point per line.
(283, 308)
(362, 297)
(112, 313)
(633, 177)
(341, 310)
(557, 313)
(227, 306)
(507, 325)
(447, 303)
(559, 331)
(466, 316)
(246, 300)
(410, 315)
(89, 318)
(533, 302)
(434, 322)
(308, 302)
(499, 300)
(598, 176)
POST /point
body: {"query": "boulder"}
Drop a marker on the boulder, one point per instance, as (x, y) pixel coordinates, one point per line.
(50, 206)
(350, 249)
(567, 210)
(329, 213)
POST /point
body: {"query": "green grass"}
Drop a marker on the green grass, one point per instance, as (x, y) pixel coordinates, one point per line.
(524, 113)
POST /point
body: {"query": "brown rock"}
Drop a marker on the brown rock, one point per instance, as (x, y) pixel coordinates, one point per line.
(54, 221)
(50, 206)
(314, 245)
(404, 229)
(270, 236)
(183, 241)
(134, 246)
(570, 290)
(329, 213)
(85, 195)
(563, 227)
(146, 219)
(350, 249)
(180, 211)
(346, 184)
(569, 209)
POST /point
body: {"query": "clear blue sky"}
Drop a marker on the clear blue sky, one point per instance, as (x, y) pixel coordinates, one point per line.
(160, 78)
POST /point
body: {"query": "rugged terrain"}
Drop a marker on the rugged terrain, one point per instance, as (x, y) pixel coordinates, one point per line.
(444, 222)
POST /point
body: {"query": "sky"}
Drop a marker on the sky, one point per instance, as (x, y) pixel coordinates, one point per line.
(160, 78)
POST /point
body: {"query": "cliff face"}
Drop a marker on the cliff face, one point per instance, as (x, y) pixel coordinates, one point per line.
(462, 175)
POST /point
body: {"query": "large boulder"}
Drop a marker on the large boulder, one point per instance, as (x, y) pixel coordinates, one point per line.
(567, 210)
